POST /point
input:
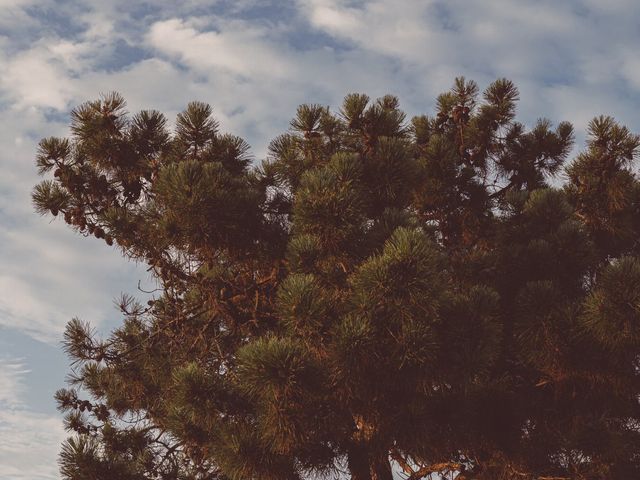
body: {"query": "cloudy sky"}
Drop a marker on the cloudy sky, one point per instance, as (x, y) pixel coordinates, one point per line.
(254, 61)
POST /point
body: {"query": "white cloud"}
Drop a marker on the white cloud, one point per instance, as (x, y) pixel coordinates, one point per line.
(12, 385)
(631, 66)
(21, 308)
(329, 16)
(45, 284)
(238, 47)
(29, 441)
(46, 74)
(611, 6)
(12, 13)
(29, 445)
(34, 78)
(480, 36)
(408, 30)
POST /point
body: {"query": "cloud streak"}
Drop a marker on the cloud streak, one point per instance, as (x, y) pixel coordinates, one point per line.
(25, 435)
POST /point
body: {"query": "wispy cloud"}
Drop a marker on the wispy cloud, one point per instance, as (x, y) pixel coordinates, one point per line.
(12, 387)
(25, 435)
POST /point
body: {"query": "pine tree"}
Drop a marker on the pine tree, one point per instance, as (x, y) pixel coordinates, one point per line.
(375, 295)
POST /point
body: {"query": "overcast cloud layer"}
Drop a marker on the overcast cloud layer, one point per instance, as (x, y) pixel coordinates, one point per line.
(254, 61)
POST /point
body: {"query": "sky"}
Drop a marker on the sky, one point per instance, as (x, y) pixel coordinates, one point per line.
(254, 61)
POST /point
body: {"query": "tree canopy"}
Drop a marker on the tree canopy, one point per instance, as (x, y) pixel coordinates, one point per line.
(450, 295)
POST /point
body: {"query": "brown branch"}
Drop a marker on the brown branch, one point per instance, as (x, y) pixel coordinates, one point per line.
(402, 461)
(502, 190)
(444, 467)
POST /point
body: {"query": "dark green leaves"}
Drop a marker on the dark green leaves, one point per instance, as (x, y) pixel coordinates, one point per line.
(304, 305)
(470, 333)
(100, 119)
(308, 117)
(329, 203)
(50, 197)
(275, 367)
(353, 109)
(407, 274)
(195, 127)
(52, 151)
(204, 203)
(503, 94)
(612, 311)
(148, 132)
(283, 378)
(608, 136)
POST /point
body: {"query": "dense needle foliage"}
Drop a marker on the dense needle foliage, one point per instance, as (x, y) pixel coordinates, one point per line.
(449, 295)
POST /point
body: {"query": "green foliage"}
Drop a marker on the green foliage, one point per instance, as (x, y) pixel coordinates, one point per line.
(612, 311)
(375, 289)
(304, 306)
(408, 272)
(195, 128)
(50, 151)
(470, 333)
(603, 187)
(49, 197)
(275, 367)
(327, 204)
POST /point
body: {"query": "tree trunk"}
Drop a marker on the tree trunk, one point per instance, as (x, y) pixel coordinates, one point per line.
(358, 461)
(380, 467)
(364, 465)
